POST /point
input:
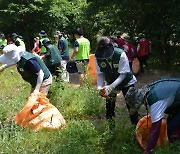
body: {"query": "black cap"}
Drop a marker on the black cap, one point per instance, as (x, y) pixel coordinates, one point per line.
(71, 67)
(14, 35)
(46, 41)
(42, 33)
(105, 48)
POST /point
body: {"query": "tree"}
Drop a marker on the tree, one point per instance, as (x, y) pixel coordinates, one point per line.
(158, 20)
(28, 17)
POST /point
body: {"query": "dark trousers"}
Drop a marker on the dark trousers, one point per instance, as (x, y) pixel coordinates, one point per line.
(110, 106)
(55, 69)
(143, 61)
(173, 127)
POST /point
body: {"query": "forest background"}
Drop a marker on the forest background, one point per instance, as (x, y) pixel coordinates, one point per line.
(87, 129)
(157, 20)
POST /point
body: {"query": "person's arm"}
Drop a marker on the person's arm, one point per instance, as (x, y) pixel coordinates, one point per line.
(100, 76)
(35, 45)
(3, 67)
(123, 69)
(76, 45)
(100, 81)
(74, 53)
(46, 55)
(125, 48)
(33, 66)
(60, 45)
(39, 80)
(138, 47)
(153, 136)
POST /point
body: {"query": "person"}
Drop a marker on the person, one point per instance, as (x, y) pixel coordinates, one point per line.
(114, 41)
(162, 96)
(120, 41)
(64, 51)
(81, 53)
(36, 49)
(31, 68)
(112, 66)
(43, 36)
(17, 40)
(3, 41)
(127, 47)
(143, 51)
(52, 57)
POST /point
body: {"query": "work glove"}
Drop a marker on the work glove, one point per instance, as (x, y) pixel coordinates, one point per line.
(106, 90)
(109, 89)
(2, 68)
(36, 90)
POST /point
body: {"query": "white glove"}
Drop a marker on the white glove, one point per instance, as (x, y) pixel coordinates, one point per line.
(2, 68)
(36, 90)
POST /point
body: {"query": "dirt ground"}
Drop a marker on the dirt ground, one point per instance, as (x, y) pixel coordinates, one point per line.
(143, 78)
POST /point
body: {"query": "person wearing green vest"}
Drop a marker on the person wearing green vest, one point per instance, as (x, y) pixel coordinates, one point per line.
(17, 41)
(64, 51)
(112, 67)
(159, 97)
(30, 67)
(81, 53)
(52, 58)
(43, 36)
(3, 41)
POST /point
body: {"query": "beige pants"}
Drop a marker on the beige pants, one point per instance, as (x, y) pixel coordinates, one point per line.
(45, 86)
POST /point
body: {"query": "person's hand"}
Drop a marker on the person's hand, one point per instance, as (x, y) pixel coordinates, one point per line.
(109, 89)
(106, 90)
(1, 69)
(102, 92)
(71, 59)
(36, 91)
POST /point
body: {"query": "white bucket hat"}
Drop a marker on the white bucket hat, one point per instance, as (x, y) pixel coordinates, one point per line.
(11, 54)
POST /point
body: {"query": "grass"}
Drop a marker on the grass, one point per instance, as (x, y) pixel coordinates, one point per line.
(86, 131)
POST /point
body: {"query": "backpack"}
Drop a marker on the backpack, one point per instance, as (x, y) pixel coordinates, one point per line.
(133, 51)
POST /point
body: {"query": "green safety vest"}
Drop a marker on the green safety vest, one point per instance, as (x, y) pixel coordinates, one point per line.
(163, 89)
(21, 42)
(43, 48)
(110, 69)
(3, 42)
(65, 51)
(83, 49)
(27, 75)
(54, 58)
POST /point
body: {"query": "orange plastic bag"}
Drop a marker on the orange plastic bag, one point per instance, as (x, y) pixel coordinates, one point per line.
(135, 66)
(39, 113)
(142, 132)
(91, 69)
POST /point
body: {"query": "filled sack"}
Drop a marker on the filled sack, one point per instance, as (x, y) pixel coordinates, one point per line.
(143, 128)
(39, 113)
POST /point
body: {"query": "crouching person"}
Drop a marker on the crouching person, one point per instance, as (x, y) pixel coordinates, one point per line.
(31, 68)
(113, 68)
(162, 96)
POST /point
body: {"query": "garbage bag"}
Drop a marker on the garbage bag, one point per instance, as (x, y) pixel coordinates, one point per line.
(143, 130)
(39, 113)
(135, 66)
(91, 68)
